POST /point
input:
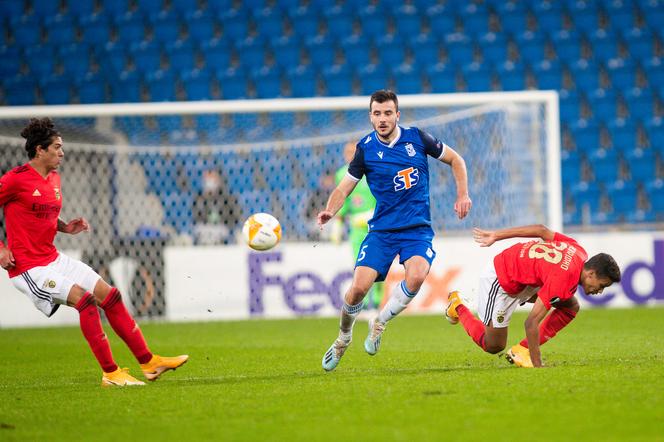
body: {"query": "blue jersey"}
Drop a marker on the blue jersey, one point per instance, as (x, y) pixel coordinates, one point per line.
(398, 177)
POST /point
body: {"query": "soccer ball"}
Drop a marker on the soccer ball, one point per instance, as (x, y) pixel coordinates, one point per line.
(261, 231)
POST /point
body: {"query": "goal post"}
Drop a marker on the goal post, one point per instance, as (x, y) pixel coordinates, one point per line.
(139, 171)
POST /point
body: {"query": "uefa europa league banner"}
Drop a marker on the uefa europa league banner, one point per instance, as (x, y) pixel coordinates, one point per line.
(309, 279)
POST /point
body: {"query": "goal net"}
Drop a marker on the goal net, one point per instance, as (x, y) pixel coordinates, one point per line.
(152, 174)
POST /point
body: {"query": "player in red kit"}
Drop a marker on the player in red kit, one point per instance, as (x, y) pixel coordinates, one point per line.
(32, 198)
(546, 272)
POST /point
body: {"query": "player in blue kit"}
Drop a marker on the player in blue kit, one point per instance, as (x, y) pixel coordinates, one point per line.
(394, 160)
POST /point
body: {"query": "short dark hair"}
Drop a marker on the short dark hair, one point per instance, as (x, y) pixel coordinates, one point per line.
(604, 266)
(38, 132)
(383, 95)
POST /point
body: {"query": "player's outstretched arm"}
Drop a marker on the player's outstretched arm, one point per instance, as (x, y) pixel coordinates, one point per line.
(532, 324)
(336, 200)
(77, 225)
(487, 237)
(463, 202)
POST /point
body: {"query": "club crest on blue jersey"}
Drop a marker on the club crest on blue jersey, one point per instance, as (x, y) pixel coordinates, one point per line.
(406, 178)
(410, 150)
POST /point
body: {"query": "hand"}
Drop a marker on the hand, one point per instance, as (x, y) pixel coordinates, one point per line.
(484, 237)
(75, 226)
(323, 217)
(6, 258)
(462, 206)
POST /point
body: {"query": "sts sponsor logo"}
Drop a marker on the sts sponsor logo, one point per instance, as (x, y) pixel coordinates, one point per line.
(406, 178)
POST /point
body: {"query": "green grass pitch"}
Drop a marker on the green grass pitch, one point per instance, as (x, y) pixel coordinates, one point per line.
(262, 380)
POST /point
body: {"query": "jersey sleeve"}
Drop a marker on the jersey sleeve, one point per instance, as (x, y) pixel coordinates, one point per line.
(7, 192)
(432, 146)
(357, 167)
(559, 237)
(557, 288)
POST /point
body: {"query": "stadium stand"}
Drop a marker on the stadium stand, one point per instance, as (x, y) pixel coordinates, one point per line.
(604, 58)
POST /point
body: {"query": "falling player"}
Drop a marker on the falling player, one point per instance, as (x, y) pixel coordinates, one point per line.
(394, 160)
(357, 210)
(32, 200)
(546, 272)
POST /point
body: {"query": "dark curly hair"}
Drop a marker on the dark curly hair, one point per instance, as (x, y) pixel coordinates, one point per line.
(604, 266)
(38, 132)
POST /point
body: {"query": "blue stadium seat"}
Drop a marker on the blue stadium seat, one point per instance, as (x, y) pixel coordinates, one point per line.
(570, 106)
(604, 44)
(75, 59)
(166, 27)
(475, 19)
(61, 29)
(642, 164)
(294, 202)
(12, 9)
(95, 29)
(391, 50)
(356, 49)
(653, 13)
(233, 82)
(216, 53)
(372, 77)
(303, 81)
(26, 30)
(80, 8)
(619, 14)
(655, 130)
(494, 48)
(126, 88)
(20, 91)
(640, 43)
(548, 74)
(177, 211)
(181, 54)
(654, 69)
(287, 51)
(513, 16)
(586, 135)
(567, 45)
(585, 74)
(304, 20)
(655, 192)
(234, 23)
(40, 60)
(267, 81)
(115, 8)
(112, 58)
(130, 27)
(477, 77)
(604, 164)
(91, 89)
(373, 22)
(572, 163)
(321, 50)
(603, 104)
(11, 61)
(150, 6)
(640, 104)
(338, 80)
(441, 19)
(585, 20)
(531, 46)
(184, 7)
(407, 79)
(161, 85)
(407, 20)
(146, 55)
(512, 76)
(459, 47)
(269, 22)
(197, 84)
(549, 16)
(251, 51)
(622, 73)
(623, 196)
(200, 25)
(623, 134)
(442, 78)
(587, 196)
(56, 89)
(255, 201)
(339, 21)
(425, 49)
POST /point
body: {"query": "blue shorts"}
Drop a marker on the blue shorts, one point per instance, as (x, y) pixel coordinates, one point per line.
(379, 248)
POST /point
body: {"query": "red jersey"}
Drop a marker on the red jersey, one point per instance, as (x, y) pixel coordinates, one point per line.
(554, 266)
(32, 205)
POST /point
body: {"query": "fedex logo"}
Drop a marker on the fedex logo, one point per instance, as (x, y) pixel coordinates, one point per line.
(406, 178)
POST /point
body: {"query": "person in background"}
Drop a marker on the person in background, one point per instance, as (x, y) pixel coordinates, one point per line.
(216, 211)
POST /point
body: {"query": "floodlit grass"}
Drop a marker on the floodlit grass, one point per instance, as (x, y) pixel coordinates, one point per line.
(262, 380)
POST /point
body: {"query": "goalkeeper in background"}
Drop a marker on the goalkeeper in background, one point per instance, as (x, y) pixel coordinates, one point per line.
(356, 211)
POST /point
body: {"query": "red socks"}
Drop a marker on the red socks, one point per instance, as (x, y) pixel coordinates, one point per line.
(125, 326)
(94, 333)
(473, 326)
(552, 324)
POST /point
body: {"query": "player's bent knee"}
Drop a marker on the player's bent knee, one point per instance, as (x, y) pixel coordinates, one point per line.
(75, 294)
(494, 348)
